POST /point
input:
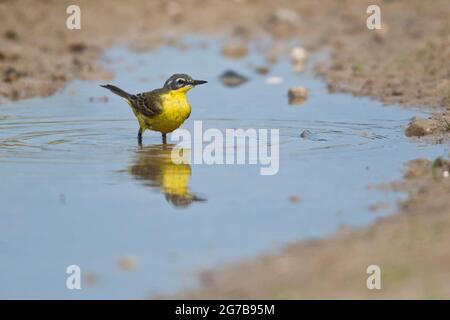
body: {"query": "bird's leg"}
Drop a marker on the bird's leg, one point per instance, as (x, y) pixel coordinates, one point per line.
(164, 138)
(139, 136)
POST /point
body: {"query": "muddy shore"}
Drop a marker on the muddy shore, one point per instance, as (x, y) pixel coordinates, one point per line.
(404, 63)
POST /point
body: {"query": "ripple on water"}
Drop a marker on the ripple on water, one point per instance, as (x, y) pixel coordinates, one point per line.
(30, 138)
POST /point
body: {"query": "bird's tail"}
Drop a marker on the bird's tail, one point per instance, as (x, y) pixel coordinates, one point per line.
(117, 91)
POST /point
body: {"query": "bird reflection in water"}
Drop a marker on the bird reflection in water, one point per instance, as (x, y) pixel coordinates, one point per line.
(155, 166)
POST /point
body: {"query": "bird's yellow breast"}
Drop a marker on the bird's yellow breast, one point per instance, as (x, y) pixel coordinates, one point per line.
(175, 110)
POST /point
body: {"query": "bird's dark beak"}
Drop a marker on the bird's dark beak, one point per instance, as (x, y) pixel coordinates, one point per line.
(197, 82)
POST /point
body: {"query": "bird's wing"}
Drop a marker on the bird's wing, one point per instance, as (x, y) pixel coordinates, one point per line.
(148, 103)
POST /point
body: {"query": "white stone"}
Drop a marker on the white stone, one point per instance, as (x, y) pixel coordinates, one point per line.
(299, 55)
(274, 80)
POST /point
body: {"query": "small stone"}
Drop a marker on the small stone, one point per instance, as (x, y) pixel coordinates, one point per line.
(77, 47)
(295, 199)
(299, 55)
(231, 78)
(262, 70)
(274, 80)
(418, 127)
(127, 263)
(445, 174)
(305, 134)
(11, 35)
(234, 49)
(297, 95)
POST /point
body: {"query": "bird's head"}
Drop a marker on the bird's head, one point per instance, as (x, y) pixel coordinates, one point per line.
(182, 82)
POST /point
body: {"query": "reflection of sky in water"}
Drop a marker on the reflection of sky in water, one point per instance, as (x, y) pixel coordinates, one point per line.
(69, 196)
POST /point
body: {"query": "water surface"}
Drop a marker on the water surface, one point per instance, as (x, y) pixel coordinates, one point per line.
(77, 189)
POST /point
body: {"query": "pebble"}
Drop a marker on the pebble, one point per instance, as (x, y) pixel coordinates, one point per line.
(231, 78)
(274, 80)
(262, 70)
(299, 55)
(11, 35)
(127, 263)
(77, 47)
(295, 199)
(305, 134)
(297, 95)
(418, 127)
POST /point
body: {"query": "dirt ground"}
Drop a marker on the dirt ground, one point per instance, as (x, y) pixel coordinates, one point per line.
(406, 62)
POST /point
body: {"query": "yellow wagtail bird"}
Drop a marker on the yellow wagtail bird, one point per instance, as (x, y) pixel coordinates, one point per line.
(163, 109)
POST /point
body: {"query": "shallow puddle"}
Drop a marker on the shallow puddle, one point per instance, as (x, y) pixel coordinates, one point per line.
(76, 189)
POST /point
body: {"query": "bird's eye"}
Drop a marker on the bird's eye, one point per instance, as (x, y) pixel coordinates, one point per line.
(180, 81)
